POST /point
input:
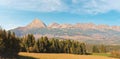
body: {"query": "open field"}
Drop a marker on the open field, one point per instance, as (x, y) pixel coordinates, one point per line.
(102, 54)
(61, 56)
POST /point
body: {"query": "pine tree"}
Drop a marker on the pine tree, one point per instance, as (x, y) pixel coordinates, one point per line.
(68, 45)
(83, 48)
(42, 44)
(72, 49)
(29, 42)
(61, 46)
(46, 44)
(95, 49)
(8, 40)
(102, 49)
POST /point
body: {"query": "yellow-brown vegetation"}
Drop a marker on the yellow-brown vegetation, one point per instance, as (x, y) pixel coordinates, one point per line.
(62, 56)
(115, 54)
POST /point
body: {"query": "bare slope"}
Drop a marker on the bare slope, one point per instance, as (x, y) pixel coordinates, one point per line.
(87, 32)
(36, 23)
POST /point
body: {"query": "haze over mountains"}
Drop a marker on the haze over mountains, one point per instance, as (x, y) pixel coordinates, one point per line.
(87, 32)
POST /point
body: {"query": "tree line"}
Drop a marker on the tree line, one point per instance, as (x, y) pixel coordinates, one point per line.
(28, 43)
(45, 45)
(11, 45)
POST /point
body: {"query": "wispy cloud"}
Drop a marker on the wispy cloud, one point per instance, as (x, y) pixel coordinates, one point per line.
(95, 6)
(71, 6)
(33, 5)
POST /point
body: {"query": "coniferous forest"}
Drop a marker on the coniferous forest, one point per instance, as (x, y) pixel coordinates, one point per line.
(45, 45)
(11, 45)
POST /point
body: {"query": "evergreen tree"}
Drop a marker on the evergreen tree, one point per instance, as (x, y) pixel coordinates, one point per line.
(95, 49)
(72, 48)
(102, 49)
(9, 44)
(29, 42)
(37, 46)
(83, 48)
(54, 47)
(61, 46)
(68, 45)
(44, 45)
(41, 45)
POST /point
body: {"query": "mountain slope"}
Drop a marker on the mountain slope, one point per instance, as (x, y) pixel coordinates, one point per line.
(36, 23)
(91, 33)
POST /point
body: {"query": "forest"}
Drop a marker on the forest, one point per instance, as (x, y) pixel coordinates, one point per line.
(11, 45)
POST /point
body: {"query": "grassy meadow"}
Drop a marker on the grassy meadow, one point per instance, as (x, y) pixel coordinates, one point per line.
(63, 56)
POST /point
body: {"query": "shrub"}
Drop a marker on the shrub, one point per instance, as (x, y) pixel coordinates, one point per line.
(115, 54)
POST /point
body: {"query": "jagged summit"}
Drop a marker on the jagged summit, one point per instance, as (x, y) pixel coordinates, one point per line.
(54, 25)
(36, 23)
(81, 31)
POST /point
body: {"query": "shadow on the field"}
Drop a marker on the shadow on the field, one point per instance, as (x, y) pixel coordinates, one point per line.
(25, 57)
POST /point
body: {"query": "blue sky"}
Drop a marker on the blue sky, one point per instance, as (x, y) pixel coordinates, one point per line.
(15, 13)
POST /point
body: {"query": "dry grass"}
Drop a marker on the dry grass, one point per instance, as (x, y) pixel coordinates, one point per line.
(61, 56)
(115, 54)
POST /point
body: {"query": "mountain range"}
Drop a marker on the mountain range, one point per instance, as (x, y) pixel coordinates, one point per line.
(86, 32)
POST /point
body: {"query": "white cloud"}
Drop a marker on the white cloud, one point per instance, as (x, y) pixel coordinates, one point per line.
(97, 6)
(71, 6)
(33, 5)
(9, 26)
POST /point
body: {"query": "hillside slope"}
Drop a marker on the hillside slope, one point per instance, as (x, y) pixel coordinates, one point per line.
(87, 32)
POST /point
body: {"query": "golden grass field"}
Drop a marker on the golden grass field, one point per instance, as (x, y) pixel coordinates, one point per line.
(61, 56)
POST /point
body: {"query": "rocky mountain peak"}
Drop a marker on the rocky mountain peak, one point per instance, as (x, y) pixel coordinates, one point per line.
(53, 25)
(36, 23)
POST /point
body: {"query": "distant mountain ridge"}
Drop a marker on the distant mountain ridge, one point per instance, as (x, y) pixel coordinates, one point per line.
(87, 32)
(36, 23)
